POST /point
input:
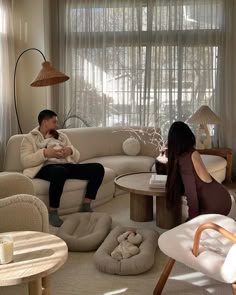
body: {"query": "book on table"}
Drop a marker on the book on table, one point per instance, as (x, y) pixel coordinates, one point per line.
(157, 181)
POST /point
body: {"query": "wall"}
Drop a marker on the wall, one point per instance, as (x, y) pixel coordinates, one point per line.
(31, 30)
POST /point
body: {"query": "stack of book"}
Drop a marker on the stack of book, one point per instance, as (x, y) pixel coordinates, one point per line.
(157, 181)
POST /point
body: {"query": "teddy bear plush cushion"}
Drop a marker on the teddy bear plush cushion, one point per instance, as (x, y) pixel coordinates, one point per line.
(128, 245)
(135, 264)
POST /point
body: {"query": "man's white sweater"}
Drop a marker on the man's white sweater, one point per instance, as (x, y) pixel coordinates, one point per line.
(32, 156)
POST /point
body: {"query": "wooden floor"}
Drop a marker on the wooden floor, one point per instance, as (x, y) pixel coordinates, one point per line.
(231, 185)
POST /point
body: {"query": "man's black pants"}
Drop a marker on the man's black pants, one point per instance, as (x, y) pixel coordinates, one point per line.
(57, 174)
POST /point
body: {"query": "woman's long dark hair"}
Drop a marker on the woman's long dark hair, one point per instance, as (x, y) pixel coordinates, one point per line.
(180, 140)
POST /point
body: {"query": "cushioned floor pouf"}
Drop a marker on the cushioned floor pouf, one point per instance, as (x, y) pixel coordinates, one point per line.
(85, 231)
(134, 265)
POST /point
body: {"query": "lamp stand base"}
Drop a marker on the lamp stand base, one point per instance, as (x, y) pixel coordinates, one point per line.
(203, 140)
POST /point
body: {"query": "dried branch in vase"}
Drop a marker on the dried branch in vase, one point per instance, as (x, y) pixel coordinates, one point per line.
(65, 118)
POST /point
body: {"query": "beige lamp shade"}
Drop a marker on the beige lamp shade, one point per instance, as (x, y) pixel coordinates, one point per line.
(204, 115)
(48, 76)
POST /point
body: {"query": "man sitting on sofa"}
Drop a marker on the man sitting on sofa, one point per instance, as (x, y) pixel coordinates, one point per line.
(36, 164)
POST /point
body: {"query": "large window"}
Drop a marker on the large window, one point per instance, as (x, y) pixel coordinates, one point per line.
(142, 62)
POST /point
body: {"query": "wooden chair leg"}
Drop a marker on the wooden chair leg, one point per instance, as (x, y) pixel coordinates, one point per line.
(234, 288)
(46, 286)
(35, 287)
(164, 276)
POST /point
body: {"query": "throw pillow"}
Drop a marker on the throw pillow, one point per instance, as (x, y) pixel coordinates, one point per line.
(131, 146)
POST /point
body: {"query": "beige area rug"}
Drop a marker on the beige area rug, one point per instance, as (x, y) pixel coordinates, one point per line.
(79, 276)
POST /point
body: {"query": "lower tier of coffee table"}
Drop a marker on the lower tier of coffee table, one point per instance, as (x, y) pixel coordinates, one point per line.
(141, 210)
(167, 218)
(40, 286)
(141, 207)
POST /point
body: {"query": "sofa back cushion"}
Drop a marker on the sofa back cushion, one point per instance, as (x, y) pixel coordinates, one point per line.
(95, 142)
(92, 142)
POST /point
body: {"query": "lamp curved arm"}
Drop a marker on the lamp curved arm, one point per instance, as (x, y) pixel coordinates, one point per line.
(15, 99)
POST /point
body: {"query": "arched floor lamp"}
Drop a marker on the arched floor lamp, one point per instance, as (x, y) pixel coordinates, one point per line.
(46, 77)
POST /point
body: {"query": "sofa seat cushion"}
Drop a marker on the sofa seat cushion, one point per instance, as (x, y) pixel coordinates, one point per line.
(85, 231)
(136, 264)
(42, 186)
(125, 164)
(214, 163)
(216, 166)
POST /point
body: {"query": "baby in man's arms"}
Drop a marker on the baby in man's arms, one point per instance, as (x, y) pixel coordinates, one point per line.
(53, 138)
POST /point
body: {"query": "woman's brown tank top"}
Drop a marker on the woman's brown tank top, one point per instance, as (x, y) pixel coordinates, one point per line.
(202, 197)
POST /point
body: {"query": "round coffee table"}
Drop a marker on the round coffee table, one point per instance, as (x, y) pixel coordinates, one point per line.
(36, 255)
(141, 200)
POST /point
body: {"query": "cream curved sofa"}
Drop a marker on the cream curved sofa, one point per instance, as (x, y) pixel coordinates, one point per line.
(102, 145)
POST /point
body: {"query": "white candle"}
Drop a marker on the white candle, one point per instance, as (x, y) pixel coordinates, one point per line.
(6, 250)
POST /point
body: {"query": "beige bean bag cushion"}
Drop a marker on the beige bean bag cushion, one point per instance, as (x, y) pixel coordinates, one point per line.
(136, 264)
(85, 231)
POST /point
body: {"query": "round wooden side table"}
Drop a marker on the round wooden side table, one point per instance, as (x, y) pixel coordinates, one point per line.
(36, 256)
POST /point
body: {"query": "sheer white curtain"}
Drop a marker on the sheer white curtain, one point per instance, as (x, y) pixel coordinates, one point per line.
(226, 105)
(137, 62)
(7, 116)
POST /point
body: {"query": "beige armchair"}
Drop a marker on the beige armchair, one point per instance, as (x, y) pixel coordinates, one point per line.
(206, 243)
(19, 209)
(12, 183)
(23, 212)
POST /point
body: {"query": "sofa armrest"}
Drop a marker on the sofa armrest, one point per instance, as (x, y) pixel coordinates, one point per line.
(23, 212)
(226, 153)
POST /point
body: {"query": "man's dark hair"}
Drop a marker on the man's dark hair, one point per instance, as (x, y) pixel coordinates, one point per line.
(45, 115)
